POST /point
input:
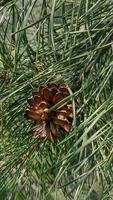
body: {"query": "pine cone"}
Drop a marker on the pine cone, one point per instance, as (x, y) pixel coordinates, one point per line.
(49, 124)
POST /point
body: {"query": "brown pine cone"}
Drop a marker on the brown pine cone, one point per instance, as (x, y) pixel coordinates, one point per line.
(49, 124)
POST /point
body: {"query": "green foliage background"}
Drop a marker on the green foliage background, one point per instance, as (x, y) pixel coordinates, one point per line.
(62, 41)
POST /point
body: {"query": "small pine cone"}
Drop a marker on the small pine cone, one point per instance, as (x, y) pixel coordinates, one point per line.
(49, 124)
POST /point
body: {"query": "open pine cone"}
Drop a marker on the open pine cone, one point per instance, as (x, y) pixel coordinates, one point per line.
(49, 124)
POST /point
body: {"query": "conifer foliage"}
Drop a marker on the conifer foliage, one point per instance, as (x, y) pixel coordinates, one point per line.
(62, 48)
